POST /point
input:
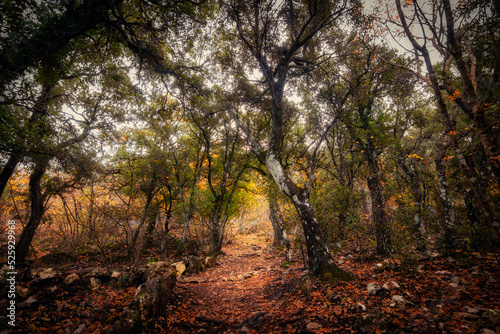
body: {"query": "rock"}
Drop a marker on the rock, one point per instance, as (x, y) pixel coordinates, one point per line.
(100, 273)
(188, 280)
(22, 291)
(244, 329)
(399, 299)
(313, 326)
(443, 272)
(156, 268)
(195, 264)
(493, 317)
(44, 274)
(81, 329)
(455, 279)
(71, 278)
(391, 285)
(373, 289)
(210, 261)
(466, 315)
(28, 302)
(180, 267)
(360, 307)
(471, 310)
(149, 300)
(115, 274)
(487, 331)
(95, 283)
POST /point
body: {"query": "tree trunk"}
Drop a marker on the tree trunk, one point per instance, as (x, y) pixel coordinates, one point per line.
(450, 228)
(382, 228)
(280, 235)
(216, 232)
(415, 188)
(151, 217)
(8, 170)
(320, 260)
(37, 210)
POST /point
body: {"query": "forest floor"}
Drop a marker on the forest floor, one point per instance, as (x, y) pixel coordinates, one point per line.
(252, 290)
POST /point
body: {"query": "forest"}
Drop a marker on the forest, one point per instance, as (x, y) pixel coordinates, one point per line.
(262, 166)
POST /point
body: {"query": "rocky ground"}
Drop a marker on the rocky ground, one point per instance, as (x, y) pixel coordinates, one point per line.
(251, 290)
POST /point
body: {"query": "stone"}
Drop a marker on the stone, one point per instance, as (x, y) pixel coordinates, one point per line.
(487, 331)
(391, 285)
(471, 310)
(100, 273)
(180, 267)
(373, 289)
(313, 326)
(149, 300)
(81, 329)
(22, 291)
(71, 278)
(493, 317)
(443, 272)
(115, 274)
(44, 274)
(156, 268)
(28, 302)
(399, 299)
(455, 279)
(210, 261)
(360, 307)
(95, 283)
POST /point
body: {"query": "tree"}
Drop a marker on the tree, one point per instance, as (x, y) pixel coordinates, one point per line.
(275, 35)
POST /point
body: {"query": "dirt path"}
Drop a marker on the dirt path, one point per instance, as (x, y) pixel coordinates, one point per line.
(240, 294)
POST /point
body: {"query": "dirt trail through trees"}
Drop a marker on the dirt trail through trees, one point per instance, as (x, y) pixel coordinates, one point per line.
(241, 294)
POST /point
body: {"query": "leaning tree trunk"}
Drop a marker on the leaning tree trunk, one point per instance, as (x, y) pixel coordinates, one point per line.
(8, 170)
(320, 259)
(37, 210)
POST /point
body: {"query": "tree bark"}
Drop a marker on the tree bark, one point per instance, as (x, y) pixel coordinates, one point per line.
(8, 170)
(415, 188)
(382, 228)
(37, 210)
(449, 226)
(280, 235)
(320, 259)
